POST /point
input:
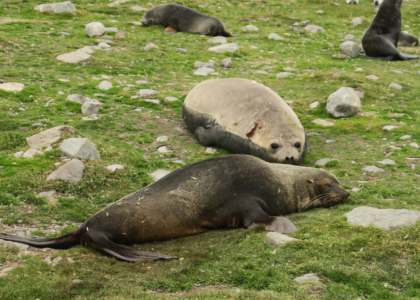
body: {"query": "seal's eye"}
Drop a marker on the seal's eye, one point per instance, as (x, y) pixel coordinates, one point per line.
(328, 185)
(297, 145)
(274, 145)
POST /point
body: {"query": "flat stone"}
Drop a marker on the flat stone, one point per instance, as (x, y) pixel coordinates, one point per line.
(343, 103)
(12, 86)
(314, 105)
(49, 137)
(218, 40)
(147, 92)
(323, 122)
(150, 46)
(387, 162)
(105, 41)
(31, 153)
(158, 174)
(90, 108)
(171, 99)
(323, 161)
(373, 77)
(373, 169)
(95, 29)
(260, 72)
(138, 8)
(284, 75)
(263, 19)
(162, 138)
(405, 137)
(227, 63)
(273, 36)
(115, 167)
(140, 82)
(397, 71)
(104, 45)
(356, 21)
(7, 244)
(307, 277)
(204, 71)
(276, 239)
(390, 127)
(19, 154)
(91, 117)
(414, 145)
(116, 3)
(359, 92)
(163, 149)
(50, 195)
(314, 29)
(358, 70)
(225, 48)
(388, 219)
(111, 29)
(305, 23)
(251, 28)
(395, 86)
(105, 85)
(152, 100)
(199, 64)
(74, 57)
(330, 141)
(181, 50)
(340, 56)
(60, 7)
(79, 148)
(355, 189)
(319, 12)
(71, 171)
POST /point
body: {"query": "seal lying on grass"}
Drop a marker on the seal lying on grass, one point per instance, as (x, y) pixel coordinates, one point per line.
(175, 17)
(243, 116)
(233, 191)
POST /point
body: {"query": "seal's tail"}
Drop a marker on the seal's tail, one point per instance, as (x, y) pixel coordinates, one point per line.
(93, 239)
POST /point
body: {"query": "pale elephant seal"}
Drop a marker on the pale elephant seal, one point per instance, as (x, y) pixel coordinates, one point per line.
(233, 191)
(407, 40)
(175, 17)
(381, 39)
(243, 116)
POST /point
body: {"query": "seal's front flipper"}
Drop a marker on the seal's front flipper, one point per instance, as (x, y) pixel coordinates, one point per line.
(100, 242)
(409, 56)
(282, 225)
(205, 136)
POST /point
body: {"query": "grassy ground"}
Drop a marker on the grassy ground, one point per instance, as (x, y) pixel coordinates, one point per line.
(353, 262)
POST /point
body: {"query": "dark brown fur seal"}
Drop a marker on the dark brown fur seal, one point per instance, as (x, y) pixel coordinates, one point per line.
(407, 40)
(175, 17)
(381, 39)
(243, 116)
(233, 191)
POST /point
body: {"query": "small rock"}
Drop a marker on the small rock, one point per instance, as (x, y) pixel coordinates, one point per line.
(305, 23)
(71, 171)
(218, 40)
(373, 169)
(147, 92)
(120, 35)
(163, 149)
(260, 72)
(315, 29)
(373, 77)
(12, 86)
(74, 57)
(142, 82)
(49, 137)
(162, 138)
(171, 99)
(158, 174)
(90, 108)
(150, 46)
(359, 70)
(79, 148)
(181, 50)
(95, 29)
(343, 103)
(199, 64)
(115, 167)
(227, 63)
(395, 86)
(263, 19)
(356, 21)
(289, 69)
(387, 162)
(350, 37)
(275, 239)
(105, 85)
(298, 30)
(31, 153)
(307, 277)
(111, 29)
(225, 48)
(319, 12)
(405, 137)
(104, 45)
(251, 28)
(314, 105)
(323, 161)
(350, 48)
(330, 141)
(19, 154)
(340, 56)
(359, 92)
(414, 145)
(355, 189)
(60, 7)
(50, 195)
(284, 75)
(77, 281)
(204, 71)
(210, 150)
(91, 117)
(138, 8)
(390, 127)
(323, 122)
(273, 36)
(397, 71)
(152, 100)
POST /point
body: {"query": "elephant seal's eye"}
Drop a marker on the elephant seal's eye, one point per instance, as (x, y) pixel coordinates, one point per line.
(274, 145)
(297, 145)
(328, 185)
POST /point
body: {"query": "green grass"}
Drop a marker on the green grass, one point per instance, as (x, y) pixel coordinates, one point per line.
(353, 262)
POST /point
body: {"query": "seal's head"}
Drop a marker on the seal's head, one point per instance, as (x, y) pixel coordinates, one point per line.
(324, 191)
(152, 17)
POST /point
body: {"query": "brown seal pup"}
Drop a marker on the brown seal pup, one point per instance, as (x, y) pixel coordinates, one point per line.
(233, 191)
(243, 116)
(407, 40)
(381, 39)
(175, 17)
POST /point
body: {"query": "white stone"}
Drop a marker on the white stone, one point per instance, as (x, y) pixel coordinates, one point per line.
(390, 127)
(218, 40)
(319, 12)
(210, 150)
(284, 75)
(199, 64)
(163, 149)
(105, 85)
(12, 86)
(150, 46)
(323, 122)
(181, 50)
(388, 219)
(227, 63)
(356, 21)
(162, 138)
(225, 48)
(19, 154)
(158, 174)
(251, 28)
(307, 277)
(142, 82)
(111, 29)
(147, 92)
(60, 7)
(415, 145)
(104, 45)
(31, 153)
(138, 8)
(204, 71)
(74, 57)
(260, 72)
(359, 70)
(48, 137)
(343, 103)
(152, 100)
(71, 171)
(314, 105)
(288, 69)
(90, 108)
(395, 86)
(274, 36)
(315, 29)
(115, 167)
(387, 162)
(171, 99)
(276, 239)
(79, 148)
(118, 2)
(405, 137)
(373, 169)
(350, 48)
(323, 161)
(373, 77)
(81, 99)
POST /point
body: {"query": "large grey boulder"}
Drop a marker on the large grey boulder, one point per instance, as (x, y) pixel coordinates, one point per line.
(343, 103)
(276, 239)
(48, 137)
(350, 48)
(225, 48)
(388, 219)
(95, 29)
(71, 171)
(79, 148)
(60, 7)
(90, 108)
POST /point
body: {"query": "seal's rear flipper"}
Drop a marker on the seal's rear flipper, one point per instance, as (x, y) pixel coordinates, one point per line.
(100, 242)
(409, 56)
(389, 58)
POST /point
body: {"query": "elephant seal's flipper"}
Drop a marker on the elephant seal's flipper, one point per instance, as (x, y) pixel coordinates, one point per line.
(410, 56)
